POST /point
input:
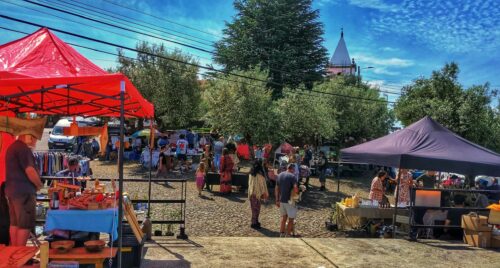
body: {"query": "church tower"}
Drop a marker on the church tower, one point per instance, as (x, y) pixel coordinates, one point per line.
(341, 63)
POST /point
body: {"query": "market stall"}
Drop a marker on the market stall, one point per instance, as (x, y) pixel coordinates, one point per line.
(425, 145)
(43, 75)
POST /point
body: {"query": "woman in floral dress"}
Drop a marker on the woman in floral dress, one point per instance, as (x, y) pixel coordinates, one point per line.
(226, 170)
(406, 182)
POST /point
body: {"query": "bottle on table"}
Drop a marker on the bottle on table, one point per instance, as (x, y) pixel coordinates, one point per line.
(55, 200)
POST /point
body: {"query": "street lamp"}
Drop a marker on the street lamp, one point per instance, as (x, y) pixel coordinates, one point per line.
(359, 72)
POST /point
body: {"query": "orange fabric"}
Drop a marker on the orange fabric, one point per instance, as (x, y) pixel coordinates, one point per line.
(75, 130)
(104, 139)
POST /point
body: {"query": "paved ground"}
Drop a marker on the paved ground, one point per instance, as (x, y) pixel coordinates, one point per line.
(214, 215)
(313, 252)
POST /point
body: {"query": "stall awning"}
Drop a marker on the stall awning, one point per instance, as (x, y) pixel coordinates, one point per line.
(42, 74)
(426, 145)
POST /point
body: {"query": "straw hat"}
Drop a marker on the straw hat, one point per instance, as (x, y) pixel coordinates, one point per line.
(17, 126)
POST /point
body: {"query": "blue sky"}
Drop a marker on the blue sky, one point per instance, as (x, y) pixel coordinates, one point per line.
(402, 39)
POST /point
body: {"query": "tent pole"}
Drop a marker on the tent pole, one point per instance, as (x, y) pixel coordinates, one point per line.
(120, 173)
(338, 176)
(398, 184)
(151, 139)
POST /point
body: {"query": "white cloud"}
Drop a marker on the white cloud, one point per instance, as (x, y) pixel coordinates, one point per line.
(382, 70)
(375, 83)
(451, 26)
(389, 49)
(326, 2)
(391, 62)
(374, 4)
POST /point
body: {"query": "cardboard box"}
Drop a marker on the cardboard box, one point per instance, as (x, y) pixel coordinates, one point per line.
(477, 239)
(494, 217)
(476, 223)
(495, 241)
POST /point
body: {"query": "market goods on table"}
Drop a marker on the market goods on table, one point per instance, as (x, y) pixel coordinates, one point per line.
(63, 246)
(494, 217)
(90, 199)
(94, 245)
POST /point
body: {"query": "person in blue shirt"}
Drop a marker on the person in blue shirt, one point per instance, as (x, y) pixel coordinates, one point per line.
(163, 141)
(190, 138)
(73, 171)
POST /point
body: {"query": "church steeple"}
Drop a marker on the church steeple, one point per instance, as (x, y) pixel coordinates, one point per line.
(341, 62)
(341, 55)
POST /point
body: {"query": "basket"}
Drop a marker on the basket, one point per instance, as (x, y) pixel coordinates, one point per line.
(94, 245)
(62, 246)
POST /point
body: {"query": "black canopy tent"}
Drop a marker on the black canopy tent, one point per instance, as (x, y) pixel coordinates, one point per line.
(425, 145)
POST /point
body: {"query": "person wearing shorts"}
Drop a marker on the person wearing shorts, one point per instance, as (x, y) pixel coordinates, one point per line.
(285, 184)
(21, 183)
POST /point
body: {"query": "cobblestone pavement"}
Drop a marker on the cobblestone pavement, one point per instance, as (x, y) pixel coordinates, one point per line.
(214, 215)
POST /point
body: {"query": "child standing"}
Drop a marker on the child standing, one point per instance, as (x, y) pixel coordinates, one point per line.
(200, 177)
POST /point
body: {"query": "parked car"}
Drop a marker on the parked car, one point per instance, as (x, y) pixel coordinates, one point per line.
(57, 140)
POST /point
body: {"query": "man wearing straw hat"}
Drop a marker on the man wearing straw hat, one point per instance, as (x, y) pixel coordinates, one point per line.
(21, 184)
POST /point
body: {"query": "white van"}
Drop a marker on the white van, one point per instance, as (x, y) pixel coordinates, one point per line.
(57, 140)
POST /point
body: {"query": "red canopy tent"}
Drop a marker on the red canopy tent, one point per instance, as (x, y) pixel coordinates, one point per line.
(41, 74)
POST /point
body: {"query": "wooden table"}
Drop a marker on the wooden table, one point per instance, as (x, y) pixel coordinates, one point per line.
(16, 256)
(83, 257)
(353, 217)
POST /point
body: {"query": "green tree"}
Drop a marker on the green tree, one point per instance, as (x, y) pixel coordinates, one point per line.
(242, 107)
(359, 111)
(304, 116)
(282, 36)
(467, 112)
(171, 86)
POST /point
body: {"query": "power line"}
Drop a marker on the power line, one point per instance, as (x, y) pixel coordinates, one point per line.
(162, 19)
(95, 27)
(160, 38)
(121, 17)
(160, 56)
(118, 26)
(187, 63)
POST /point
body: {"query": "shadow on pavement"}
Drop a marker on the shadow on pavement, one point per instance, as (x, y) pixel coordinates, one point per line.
(268, 233)
(165, 263)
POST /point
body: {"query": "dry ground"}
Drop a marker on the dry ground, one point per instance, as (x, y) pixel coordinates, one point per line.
(314, 252)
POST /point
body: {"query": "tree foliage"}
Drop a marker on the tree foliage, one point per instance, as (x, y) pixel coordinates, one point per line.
(242, 107)
(467, 112)
(357, 109)
(282, 36)
(171, 86)
(305, 116)
(246, 108)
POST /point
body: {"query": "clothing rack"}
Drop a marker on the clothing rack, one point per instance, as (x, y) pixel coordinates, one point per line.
(48, 163)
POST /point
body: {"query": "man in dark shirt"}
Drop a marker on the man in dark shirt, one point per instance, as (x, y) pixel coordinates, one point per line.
(428, 179)
(494, 197)
(308, 156)
(21, 184)
(285, 184)
(454, 217)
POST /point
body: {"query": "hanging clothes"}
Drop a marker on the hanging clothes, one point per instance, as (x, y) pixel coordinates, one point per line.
(49, 163)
